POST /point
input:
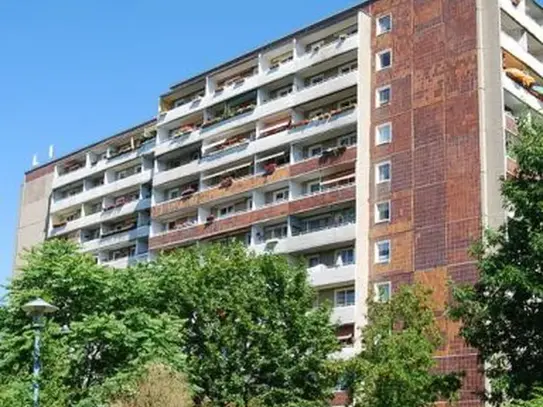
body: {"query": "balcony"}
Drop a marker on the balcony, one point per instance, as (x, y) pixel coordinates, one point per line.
(102, 165)
(106, 189)
(105, 215)
(257, 181)
(116, 240)
(522, 94)
(125, 262)
(516, 49)
(322, 275)
(331, 50)
(343, 315)
(524, 18)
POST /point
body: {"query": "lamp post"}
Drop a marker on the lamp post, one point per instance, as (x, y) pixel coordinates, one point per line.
(37, 309)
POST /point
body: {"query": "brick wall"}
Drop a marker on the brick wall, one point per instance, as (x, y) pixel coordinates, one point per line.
(435, 186)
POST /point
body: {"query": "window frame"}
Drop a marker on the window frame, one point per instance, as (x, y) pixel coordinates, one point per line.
(378, 166)
(378, 141)
(378, 91)
(379, 62)
(338, 255)
(313, 256)
(314, 146)
(376, 287)
(311, 183)
(172, 190)
(376, 214)
(378, 27)
(344, 290)
(319, 76)
(377, 255)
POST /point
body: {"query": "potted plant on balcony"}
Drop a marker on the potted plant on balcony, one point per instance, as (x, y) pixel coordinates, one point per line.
(187, 193)
(339, 150)
(270, 168)
(226, 182)
(210, 218)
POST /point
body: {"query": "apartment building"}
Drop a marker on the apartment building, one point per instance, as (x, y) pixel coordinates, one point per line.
(370, 143)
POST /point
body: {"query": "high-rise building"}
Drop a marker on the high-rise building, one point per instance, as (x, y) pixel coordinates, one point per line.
(370, 143)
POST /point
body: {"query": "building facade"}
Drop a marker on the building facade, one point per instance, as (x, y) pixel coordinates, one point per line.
(371, 143)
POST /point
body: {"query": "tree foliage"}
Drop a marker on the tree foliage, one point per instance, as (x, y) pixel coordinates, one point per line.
(242, 327)
(159, 386)
(253, 335)
(396, 365)
(114, 327)
(502, 313)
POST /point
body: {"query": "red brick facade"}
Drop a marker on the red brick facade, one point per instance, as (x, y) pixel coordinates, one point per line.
(435, 189)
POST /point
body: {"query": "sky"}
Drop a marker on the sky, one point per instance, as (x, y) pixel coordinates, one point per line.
(74, 72)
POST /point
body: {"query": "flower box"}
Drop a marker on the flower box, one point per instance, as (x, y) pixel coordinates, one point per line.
(188, 192)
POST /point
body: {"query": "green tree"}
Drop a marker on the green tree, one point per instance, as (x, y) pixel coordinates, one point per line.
(502, 313)
(115, 328)
(253, 335)
(395, 366)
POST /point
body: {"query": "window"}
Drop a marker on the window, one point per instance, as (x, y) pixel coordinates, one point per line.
(384, 60)
(225, 211)
(383, 291)
(314, 187)
(383, 134)
(314, 113)
(279, 196)
(344, 298)
(384, 24)
(173, 193)
(314, 80)
(137, 169)
(382, 212)
(275, 232)
(345, 257)
(383, 96)
(315, 46)
(349, 140)
(313, 260)
(346, 103)
(315, 150)
(73, 216)
(122, 174)
(382, 173)
(350, 67)
(382, 251)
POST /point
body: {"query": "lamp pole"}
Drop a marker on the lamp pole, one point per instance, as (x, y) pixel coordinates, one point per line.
(37, 309)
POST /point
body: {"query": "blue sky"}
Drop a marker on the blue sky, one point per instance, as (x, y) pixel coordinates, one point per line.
(73, 72)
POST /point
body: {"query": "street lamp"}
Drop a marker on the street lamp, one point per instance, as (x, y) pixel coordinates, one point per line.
(37, 309)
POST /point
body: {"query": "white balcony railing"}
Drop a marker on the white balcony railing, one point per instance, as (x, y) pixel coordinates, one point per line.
(339, 234)
(127, 261)
(116, 240)
(262, 78)
(322, 275)
(343, 315)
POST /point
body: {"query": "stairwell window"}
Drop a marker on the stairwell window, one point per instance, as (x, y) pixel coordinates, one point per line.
(383, 291)
(382, 172)
(382, 212)
(383, 96)
(383, 60)
(383, 134)
(382, 252)
(384, 24)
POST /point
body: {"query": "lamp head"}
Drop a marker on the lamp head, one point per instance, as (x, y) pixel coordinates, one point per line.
(38, 307)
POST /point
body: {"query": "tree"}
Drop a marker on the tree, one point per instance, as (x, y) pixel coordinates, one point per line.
(159, 386)
(253, 335)
(502, 313)
(395, 366)
(116, 327)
